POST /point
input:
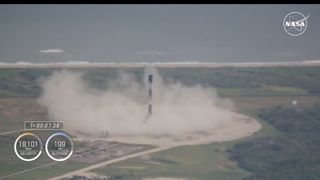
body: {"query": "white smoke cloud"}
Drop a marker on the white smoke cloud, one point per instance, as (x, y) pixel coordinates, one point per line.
(51, 51)
(122, 108)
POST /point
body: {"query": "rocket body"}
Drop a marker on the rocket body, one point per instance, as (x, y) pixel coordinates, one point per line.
(150, 79)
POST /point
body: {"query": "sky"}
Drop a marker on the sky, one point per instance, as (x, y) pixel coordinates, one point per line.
(155, 33)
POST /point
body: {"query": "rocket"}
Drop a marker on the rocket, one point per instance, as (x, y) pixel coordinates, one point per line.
(149, 107)
(150, 94)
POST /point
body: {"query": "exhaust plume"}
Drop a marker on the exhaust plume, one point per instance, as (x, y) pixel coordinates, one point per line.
(120, 109)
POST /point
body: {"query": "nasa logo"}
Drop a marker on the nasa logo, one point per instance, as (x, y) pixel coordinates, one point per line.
(295, 23)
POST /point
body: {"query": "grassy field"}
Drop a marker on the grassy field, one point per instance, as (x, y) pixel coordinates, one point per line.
(262, 91)
(191, 162)
(50, 171)
(14, 111)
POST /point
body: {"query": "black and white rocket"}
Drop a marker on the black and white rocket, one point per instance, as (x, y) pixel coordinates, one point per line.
(149, 108)
(149, 95)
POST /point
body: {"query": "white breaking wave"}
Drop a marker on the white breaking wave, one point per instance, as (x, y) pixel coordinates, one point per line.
(51, 51)
(164, 64)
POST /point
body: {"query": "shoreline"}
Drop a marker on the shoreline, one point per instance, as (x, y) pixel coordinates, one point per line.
(81, 64)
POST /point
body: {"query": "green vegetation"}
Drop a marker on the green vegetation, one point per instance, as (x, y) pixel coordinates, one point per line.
(20, 82)
(229, 81)
(293, 155)
(202, 162)
(287, 147)
(256, 103)
(262, 91)
(14, 111)
(50, 171)
(265, 80)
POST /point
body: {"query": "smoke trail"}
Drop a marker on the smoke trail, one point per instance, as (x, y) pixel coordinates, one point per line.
(121, 108)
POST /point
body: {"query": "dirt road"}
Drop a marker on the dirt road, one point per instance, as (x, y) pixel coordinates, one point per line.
(105, 163)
